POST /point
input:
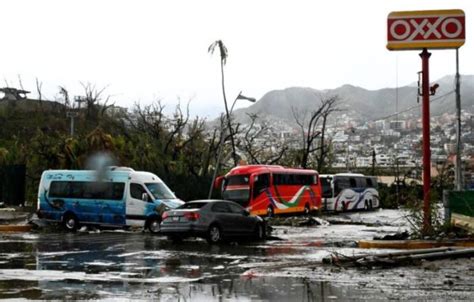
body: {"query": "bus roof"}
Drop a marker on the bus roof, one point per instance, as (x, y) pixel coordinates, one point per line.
(249, 169)
(345, 174)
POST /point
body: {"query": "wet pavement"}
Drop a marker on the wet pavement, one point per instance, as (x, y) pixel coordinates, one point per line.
(111, 265)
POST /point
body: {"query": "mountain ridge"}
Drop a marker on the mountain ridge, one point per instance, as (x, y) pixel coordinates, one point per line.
(360, 103)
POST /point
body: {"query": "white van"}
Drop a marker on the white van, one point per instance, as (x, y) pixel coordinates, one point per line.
(117, 196)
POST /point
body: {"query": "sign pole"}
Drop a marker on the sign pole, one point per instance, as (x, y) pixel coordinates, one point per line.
(425, 56)
(428, 29)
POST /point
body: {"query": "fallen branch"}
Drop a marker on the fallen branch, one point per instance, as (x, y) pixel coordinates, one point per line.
(399, 258)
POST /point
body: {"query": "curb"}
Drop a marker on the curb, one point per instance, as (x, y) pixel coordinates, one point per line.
(411, 244)
(15, 228)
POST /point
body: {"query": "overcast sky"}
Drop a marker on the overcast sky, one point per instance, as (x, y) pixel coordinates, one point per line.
(148, 50)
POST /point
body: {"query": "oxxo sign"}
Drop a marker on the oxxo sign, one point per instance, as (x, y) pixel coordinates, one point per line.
(426, 29)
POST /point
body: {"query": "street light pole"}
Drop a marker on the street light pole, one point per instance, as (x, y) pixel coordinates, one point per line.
(221, 141)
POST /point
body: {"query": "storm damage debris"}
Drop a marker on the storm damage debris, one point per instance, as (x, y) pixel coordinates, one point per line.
(393, 259)
(297, 221)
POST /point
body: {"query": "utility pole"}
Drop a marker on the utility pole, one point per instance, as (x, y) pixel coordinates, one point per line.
(72, 115)
(458, 124)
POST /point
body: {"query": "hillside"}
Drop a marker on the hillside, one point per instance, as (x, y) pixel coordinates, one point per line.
(360, 103)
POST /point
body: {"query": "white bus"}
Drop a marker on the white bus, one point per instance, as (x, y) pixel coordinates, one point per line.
(349, 191)
(118, 196)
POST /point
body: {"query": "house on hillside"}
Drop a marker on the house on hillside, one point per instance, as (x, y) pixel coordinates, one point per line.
(13, 94)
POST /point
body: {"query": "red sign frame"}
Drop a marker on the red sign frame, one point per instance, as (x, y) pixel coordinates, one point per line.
(411, 30)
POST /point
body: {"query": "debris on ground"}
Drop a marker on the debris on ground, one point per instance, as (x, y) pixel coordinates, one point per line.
(393, 259)
(414, 244)
(13, 216)
(297, 221)
(397, 236)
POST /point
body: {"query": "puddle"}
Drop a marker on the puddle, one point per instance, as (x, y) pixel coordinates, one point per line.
(134, 265)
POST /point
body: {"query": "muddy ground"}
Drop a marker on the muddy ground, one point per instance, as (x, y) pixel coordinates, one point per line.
(111, 265)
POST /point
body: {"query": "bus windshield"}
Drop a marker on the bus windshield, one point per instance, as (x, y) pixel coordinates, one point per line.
(160, 190)
(236, 188)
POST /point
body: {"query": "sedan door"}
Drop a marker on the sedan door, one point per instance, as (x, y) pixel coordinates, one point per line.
(242, 222)
(224, 216)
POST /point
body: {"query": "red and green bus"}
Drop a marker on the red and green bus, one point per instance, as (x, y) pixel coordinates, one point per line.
(270, 190)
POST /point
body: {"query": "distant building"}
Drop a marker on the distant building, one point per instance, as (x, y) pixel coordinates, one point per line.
(13, 94)
(398, 125)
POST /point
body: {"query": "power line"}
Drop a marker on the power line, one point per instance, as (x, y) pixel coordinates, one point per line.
(413, 107)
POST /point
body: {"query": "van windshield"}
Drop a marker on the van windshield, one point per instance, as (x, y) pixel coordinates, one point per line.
(160, 190)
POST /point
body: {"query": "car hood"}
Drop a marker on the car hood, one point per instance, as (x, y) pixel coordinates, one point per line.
(170, 203)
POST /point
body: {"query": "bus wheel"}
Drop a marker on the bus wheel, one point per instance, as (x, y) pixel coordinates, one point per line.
(70, 222)
(270, 212)
(153, 225)
(344, 206)
(306, 209)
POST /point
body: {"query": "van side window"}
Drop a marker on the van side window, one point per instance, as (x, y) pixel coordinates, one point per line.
(59, 189)
(86, 190)
(136, 191)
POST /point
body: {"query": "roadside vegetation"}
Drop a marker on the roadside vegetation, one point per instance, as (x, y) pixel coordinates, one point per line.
(179, 148)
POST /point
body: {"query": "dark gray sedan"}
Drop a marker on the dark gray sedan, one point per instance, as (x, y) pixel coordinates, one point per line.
(214, 220)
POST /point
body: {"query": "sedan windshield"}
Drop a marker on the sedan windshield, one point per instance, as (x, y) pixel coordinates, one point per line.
(193, 205)
(160, 191)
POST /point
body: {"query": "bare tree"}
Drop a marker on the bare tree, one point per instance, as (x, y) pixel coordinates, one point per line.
(39, 87)
(63, 91)
(313, 130)
(263, 152)
(330, 107)
(93, 98)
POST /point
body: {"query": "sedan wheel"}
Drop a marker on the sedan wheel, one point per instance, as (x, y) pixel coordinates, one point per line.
(259, 232)
(214, 234)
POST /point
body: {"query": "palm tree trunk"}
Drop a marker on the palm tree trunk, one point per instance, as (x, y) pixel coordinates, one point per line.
(229, 122)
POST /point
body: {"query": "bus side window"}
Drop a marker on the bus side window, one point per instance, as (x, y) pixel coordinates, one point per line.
(352, 183)
(340, 184)
(261, 182)
(369, 183)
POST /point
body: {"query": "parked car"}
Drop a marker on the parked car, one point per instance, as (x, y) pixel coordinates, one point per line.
(214, 220)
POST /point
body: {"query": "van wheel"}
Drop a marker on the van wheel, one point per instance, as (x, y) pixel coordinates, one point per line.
(70, 222)
(370, 205)
(259, 232)
(214, 234)
(153, 225)
(270, 212)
